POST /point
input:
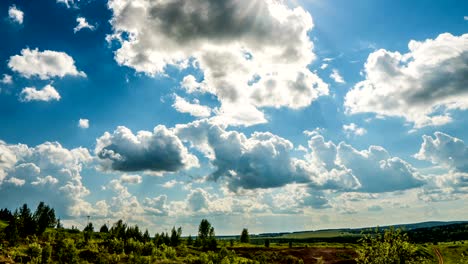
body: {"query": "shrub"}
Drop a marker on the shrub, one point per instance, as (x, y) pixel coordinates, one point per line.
(67, 252)
(46, 256)
(391, 247)
(34, 251)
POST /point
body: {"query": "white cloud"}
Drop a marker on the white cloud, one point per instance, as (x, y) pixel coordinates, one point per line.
(344, 167)
(260, 161)
(252, 54)
(68, 3)
(83, 123)
(445, 150)
(194, 109)
(7, 79)
(44, 64)
(15, 181)
(123, 204)
(465, 18)
(15, 14)
(421, 86)
(452, 154)
(47, 94)
(46, 172)
(197, 200)
(335, 75)
(82, 24)
(156, 206)
(353, 129)
(264, 161)
(158, 151)
(170, 184)
(130, 179)
(324, 66)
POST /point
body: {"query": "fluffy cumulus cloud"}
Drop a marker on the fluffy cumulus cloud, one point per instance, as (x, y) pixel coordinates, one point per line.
(345, 168)
(47, 172)
(83, 123)
(83, 24)
(131, 178)
(252, 54)
(194, 109)
(452, 154)
(44, 64)
(157, 206)
(15, 14)
(444, 150)
(422, 86)
(46, 94)
(264, 160)
(158, 151)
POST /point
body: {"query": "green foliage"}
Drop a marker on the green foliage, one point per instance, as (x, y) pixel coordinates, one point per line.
(44, 217)
(67, 252)
(146, 236)
(104, 229)
(391, 247)
(115, 246)
(34, 251)
(244, 238)
(46, 256)
(133, 246)
(89, 227)
(206, 236)
(267, 243)
(12, 233)
(175, 236)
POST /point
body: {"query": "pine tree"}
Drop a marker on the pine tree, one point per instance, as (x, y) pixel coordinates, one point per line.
(244, 238)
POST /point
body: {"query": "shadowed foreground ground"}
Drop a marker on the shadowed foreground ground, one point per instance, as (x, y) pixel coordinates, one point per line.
(307, 254)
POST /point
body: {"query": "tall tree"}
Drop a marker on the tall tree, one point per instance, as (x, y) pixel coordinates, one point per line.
(104, 229)
(44, 217)
(204, 229)
(206, 235)
(244, 238)
(175, 236)
(146, 236)
(27, 223)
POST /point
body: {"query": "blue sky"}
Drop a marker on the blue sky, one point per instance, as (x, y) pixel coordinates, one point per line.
(270, 115)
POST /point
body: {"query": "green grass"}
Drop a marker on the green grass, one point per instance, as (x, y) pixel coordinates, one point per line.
(452, 252)
(3, 224)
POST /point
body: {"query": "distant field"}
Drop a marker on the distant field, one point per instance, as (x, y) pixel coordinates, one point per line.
(318, 234)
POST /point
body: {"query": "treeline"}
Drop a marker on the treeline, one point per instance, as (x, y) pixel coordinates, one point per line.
(23, 223)
(38, 237)
(447, 233)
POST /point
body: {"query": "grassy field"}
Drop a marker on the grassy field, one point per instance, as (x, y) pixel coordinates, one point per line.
(318, 234)
(452, 252)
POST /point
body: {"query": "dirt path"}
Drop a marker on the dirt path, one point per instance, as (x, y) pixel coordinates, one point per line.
(439, 256)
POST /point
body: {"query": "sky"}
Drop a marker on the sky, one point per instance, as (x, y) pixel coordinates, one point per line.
(273, 115)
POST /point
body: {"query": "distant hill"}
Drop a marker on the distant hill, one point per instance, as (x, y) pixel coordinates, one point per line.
(431, 231)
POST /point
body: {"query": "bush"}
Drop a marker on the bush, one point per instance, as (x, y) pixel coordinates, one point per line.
(67, 252)
(46, 255)
(391, 247)
(115, 246)
(34, 251)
